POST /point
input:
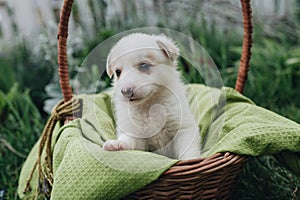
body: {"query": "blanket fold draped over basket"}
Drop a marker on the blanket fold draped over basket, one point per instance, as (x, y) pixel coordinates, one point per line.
(228, 121)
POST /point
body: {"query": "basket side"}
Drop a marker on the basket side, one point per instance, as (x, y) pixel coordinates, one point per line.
(203, 181)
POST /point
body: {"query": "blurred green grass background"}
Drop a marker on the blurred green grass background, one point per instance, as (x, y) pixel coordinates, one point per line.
(28, 78)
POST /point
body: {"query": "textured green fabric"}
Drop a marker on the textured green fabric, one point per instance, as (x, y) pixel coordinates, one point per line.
(82, 170)
(228, 121)
(239, 126)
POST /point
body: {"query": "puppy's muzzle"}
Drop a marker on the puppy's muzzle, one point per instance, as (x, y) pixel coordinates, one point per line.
(127, 92)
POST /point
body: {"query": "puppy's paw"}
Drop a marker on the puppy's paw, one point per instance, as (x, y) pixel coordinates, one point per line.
(114, 145)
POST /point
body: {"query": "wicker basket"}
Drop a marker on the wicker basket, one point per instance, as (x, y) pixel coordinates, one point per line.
(205, 178)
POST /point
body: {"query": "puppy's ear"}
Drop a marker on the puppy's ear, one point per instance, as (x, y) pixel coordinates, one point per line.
(109, 70)
(168, 48)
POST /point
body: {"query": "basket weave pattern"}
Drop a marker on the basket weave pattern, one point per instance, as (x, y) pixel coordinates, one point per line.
(205, 178)
(209, 178)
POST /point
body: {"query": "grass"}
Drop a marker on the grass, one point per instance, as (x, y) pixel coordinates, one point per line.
(264, 178)
(21, 124)
(273, 83)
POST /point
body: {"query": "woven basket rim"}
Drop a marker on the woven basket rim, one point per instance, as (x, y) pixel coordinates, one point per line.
(205, 165)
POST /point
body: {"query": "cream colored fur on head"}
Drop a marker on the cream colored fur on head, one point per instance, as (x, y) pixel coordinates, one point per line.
(152, 111)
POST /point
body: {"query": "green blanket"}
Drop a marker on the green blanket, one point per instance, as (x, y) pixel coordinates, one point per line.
(228, 121)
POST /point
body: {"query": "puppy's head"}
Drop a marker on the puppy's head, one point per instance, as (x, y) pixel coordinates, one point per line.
(141, 64)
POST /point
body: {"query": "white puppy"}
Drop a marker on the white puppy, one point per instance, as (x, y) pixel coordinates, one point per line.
(152, 111)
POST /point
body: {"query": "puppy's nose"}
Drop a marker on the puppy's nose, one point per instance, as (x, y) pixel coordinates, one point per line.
(127, 92)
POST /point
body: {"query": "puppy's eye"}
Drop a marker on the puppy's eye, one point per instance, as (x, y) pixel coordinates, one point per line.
(118, 72)
(144, 66)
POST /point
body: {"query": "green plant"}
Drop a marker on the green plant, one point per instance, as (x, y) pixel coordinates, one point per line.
(20, 64)
(264, 178)
(21, 124)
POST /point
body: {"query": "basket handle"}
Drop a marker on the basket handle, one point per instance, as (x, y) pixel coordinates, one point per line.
(62, 50)
(63, 35)
(247, 44)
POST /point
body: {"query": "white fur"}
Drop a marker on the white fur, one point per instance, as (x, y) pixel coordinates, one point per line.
(156, 117)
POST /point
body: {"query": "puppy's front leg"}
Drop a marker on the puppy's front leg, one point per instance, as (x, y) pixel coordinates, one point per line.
(124, 142)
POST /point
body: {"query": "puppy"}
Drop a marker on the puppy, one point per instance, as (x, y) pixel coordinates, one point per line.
(152, 111)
